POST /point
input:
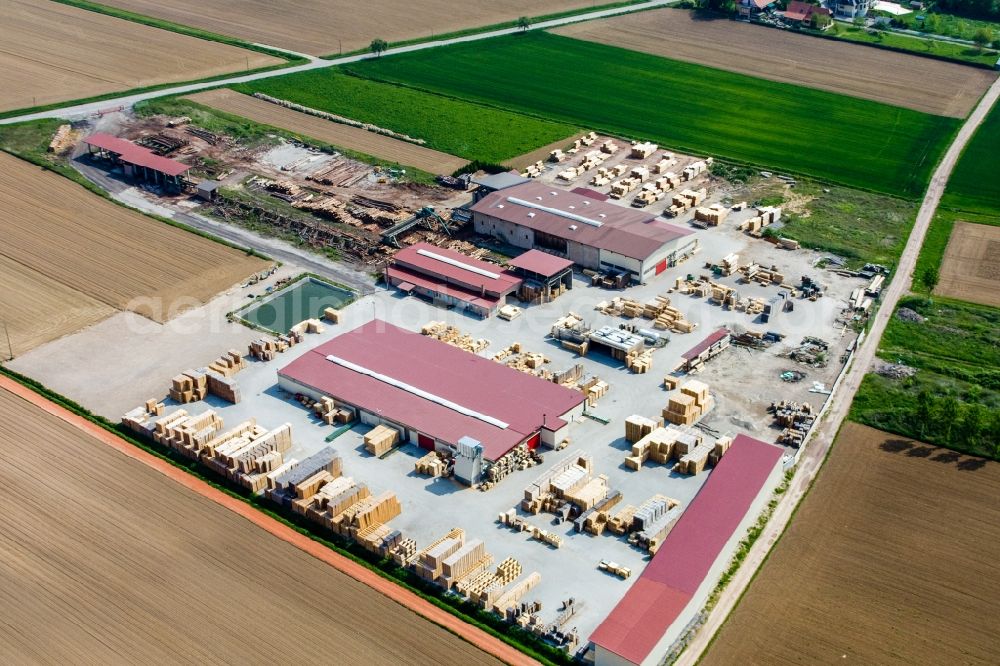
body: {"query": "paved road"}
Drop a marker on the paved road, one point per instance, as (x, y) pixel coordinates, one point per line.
(815, 453)
(84, 110)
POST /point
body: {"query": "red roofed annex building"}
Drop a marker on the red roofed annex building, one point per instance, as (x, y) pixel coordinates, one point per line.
(450, 278)
(436, 395)
(591, 233)
(653, 614)
(137, 161)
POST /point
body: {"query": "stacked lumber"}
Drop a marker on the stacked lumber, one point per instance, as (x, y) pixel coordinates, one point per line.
(139, 420)
(595, 520)
(713, 215)
(650, 531)
(509, 599)
(427, 563)
(621, 522)
(265, 349)
(307, 326)
(189, 386)
(533, 170)
(453, 336)
(380, 439)
(622, 187)
(609, 147)
(639, 361)
(695, 169)
(223, 386)
(589, 494)
(596, 391)
(658, 445)
(754, 272)
(642, 150)
(485, 588)
(765, 216)
(469, 558)
(432, 465)
(332, 315)
(63, 140)
(557, 155)
(637, 427)
(548, 492)
(688, 405)
(664, 164)
(404, 552)
(509, 312)
(371, 511)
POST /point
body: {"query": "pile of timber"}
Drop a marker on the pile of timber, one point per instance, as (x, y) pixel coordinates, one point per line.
(451, 335)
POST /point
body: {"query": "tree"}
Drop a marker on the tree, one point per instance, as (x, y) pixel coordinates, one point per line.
(982, 37)
(819, 21)
(923, 413)
(972, 425)
(950, 412)
(524, 23)
(930, 277)
(378, 46)
(932, 24)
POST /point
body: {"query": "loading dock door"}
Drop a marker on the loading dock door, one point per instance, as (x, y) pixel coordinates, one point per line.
(660, 267)
(534, 440)
(425, 442)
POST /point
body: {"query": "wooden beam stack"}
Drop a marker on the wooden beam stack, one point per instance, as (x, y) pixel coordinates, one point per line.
(380, 439)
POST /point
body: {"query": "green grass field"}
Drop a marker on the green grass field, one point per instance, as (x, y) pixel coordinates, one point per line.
(975, 182)
(957, 355)
(839, 139)
(452, 126)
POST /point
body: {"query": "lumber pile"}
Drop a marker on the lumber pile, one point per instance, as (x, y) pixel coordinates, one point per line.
(520, 457)
(486, 587)
(63, 140)
(637, 427)
(713, 215)
(228, 364)
(642, 150)
(796, 419)
(621, 522)
(533, 170)
(596, 519)
(695, 169)
(754, 272)
(427, 562)
(684, 200)
(515, 522)
(332, 315)
(505, 602)
(689, 404)
(765, 216)
(639, 361)
(664, 164)
(266, 349)
(653, 522)
(451, 335)
(550, 491)
(509, 312)
(189, 386)
(308, 326)
(431, 464)
(380, 439)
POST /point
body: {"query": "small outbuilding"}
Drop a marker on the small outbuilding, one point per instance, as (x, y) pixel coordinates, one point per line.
(544, 276)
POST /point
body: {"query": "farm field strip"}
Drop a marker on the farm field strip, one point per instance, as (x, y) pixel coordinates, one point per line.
(106, 559)
(889, 559)
(107, 252)
(453, 126)
(922, 84)
(975, 183)
(337, 134)
(35, 309)
(323, 27)
(687, 107)
(50, 52)
(971, 267)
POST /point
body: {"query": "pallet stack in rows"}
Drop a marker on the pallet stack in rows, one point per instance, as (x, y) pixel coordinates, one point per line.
(216, 379)
(432, 464)
(652, 521)
(713, 215)
(595, 520)
(692, 448)
(451, 335)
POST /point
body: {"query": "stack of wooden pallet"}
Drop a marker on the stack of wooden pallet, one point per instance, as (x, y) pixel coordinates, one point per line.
(431, 465)
(454, 337)
(509, 599)
(265, 349)
(380, 439)
(637, 427)
(332, 315)
(189, 386)
(621, 522)
(427, 563)
(639, 361)
(307, 326)
(689, 404)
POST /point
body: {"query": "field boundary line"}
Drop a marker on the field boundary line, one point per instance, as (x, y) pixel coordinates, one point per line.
(400, 595)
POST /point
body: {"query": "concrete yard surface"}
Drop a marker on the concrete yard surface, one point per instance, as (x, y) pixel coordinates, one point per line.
(106, 560)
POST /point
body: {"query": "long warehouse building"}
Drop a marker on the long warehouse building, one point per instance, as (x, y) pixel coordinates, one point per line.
(436, 395)
(591, 233)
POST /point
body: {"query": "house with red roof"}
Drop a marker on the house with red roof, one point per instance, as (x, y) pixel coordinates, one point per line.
(748, 9)
(802, 12)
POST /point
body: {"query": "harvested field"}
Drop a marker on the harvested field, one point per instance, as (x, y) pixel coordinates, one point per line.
(923, 84)
(345, 136)
(37, 309)
(324, 28)
(106, 560)
(890, 559)
(50, 52)
(971, 267)
(111, 254)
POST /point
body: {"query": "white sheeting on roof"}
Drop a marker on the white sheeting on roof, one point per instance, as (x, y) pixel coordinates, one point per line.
(457, 263)
(555, 211)
(409, 388)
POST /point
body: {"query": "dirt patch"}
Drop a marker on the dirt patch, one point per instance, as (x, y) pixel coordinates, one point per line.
(106, 559)
(923, 84)
(125, 260)
(970, 270)
(522, 161)
(328, 27)
(50, 52)
(890, 559)
(345, 136)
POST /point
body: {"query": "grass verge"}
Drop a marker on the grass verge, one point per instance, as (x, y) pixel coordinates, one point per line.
(855, 142)
(953, 400)
(467, 612)
(931, 48)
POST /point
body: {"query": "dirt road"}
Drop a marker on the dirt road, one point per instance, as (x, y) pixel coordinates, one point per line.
(815, 452)
(134, 561)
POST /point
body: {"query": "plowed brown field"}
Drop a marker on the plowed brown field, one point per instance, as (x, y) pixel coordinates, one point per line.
(88, 250)
(344, 136)
(50, 52)
(324, 27)
(970, 270)
(104, 560)
(890, 559)
(933, 86)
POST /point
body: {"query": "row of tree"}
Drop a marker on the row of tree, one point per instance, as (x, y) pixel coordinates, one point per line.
(947, 421)
(982, 9)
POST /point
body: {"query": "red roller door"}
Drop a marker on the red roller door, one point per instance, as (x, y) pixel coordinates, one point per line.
(534, 440)
(425, 442)
(662, 266)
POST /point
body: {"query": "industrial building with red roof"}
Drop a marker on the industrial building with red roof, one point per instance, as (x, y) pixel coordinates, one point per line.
(433, 393)
(676, 583)
(589, 232)
(451, 278)
(138, 161)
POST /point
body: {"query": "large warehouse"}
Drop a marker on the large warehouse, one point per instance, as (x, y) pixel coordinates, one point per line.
(433, 393)
(678, 581)
(591, 233)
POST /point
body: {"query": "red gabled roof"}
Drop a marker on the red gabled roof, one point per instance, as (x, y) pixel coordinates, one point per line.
(456, 268)
(524, 402)
(802, 11)
(689, 552)
(439, 287)
(540, 262)
(135, 154)
(705, 344)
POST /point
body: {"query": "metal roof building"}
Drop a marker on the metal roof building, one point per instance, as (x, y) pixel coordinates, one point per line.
(136, 160)
(435, 394)
(591, 233)
(451, 278)
(676, 583)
